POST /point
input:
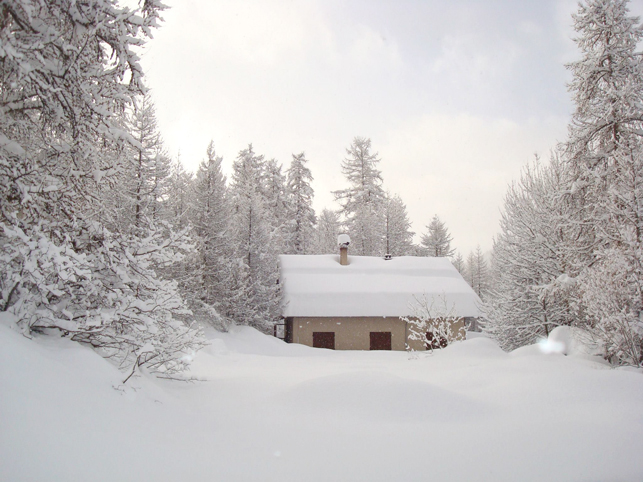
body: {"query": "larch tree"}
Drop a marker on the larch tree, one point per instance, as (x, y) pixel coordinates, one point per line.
(478, 272)
(276, 200)
(210, 218)
(148, 166)
(397, 227)
(327, 229)
(604, 156)
(459, 264)
(437, 240)
(362, 203)
(530, 295)
(180, 195)
(254, 298)
(301, 213)
(68, 71)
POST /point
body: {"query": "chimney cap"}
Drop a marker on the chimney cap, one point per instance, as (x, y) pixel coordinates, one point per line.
(343, 240)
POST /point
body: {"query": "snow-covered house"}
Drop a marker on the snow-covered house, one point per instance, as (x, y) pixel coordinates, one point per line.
(355, 303)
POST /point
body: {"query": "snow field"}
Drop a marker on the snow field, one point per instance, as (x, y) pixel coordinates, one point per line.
(270, 411)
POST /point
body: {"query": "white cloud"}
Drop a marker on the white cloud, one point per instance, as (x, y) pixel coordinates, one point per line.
(459, 166)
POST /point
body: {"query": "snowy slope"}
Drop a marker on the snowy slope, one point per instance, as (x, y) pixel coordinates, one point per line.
(268, 411)
(371, 286)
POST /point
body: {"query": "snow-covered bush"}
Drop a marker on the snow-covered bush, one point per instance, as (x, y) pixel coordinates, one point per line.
(433, 323)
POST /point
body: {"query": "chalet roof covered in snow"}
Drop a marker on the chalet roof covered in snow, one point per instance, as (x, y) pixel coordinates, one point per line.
(371, 286)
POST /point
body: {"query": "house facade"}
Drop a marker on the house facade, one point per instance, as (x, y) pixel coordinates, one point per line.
(355, 302)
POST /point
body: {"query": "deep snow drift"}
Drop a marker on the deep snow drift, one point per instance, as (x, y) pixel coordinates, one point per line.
(270, 411)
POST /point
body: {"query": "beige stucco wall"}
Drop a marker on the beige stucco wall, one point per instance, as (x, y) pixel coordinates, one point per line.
(353, 333)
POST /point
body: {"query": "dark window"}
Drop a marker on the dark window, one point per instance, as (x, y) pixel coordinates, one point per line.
(435, 342)
(380, 340)
(324, 339)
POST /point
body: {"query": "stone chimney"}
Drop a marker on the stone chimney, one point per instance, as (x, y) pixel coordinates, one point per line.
(343, 240)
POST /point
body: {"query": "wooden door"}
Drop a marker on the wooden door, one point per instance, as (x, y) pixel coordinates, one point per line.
(324, 339)
(435, 342)
(380, 340)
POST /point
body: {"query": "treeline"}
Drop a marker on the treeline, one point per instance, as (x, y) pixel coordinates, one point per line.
(107, 240)
(570, 250)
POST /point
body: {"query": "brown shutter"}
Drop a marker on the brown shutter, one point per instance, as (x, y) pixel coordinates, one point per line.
(380, 340)
(324, 339)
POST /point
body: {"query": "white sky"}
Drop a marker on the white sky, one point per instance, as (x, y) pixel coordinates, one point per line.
(456, 96)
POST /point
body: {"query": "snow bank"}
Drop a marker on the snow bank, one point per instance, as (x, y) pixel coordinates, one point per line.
(563, 340)
(275, 412)
(371, 286)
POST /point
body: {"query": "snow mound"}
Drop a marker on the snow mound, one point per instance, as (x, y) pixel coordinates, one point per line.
(335, 416)
(373, 396)
(479, 347)
(562, 340)
(250, 341)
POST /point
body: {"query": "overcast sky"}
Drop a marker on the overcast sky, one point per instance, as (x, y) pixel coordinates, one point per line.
(456, 96)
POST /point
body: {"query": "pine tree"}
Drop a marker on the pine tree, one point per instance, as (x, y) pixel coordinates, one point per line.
(301, 212)
(362, 202)
(437, 240)
(398, 236)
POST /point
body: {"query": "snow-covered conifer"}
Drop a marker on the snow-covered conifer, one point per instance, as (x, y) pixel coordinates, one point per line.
(179, 203)
(327, 229)
(147, 168)
(603, 156)
(478, 272)
(532, 286)
(398, 234)
(253, 278)
(301, 213)
(210, 218)
(68, 70)
(362, 202)
(276, 199)
(459, 264)
(437, 240)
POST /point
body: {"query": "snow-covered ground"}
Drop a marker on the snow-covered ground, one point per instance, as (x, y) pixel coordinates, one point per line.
(270, 411)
